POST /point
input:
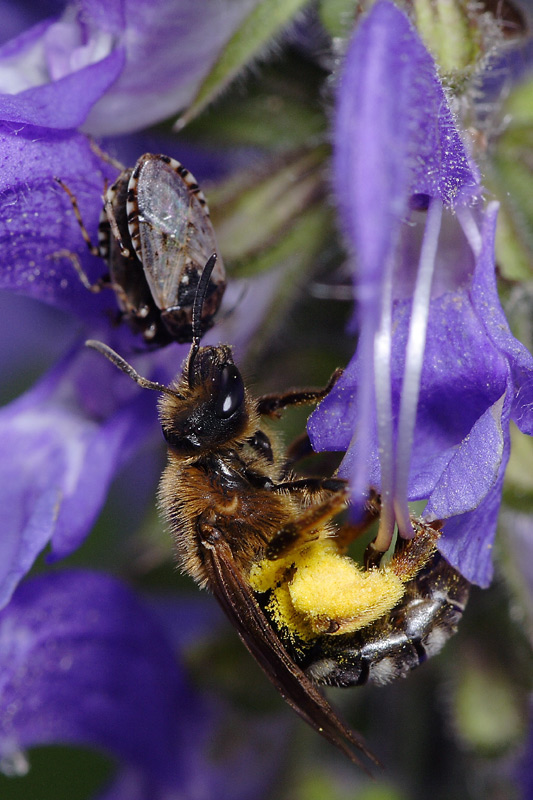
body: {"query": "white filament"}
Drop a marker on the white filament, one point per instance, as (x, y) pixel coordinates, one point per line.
(382, 381)
(414, 359)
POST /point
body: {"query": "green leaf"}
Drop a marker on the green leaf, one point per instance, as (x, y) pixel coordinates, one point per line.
(260, 217)
(338, 16)
(248, 42)
(509, 174)
(448, 33)
(287, 93)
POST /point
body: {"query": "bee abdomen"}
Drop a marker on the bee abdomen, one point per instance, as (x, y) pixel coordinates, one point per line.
(416, 629)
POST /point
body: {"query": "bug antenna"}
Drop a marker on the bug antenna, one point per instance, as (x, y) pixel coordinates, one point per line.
(199, 298)
(119, 362)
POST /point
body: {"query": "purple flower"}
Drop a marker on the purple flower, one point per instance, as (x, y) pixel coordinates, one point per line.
(424, 406)
(97, 63)
(59, 458)
(85, 663)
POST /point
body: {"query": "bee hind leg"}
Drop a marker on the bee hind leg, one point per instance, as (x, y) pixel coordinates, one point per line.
(411, 555)
(304, 527)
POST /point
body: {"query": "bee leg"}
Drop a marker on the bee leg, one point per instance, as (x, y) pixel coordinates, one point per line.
(270, 405)
(312, 485)
(303, 527)
(299, 449)
(349, 532)
(411, 555)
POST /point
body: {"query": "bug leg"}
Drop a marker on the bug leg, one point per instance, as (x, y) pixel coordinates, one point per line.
(110, 213)
(97, 286)
(303, 527)
(271, 404)
(93, 249)
(113, 162)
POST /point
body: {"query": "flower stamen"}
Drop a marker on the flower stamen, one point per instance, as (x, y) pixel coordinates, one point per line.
(382, 382)
(414, 359)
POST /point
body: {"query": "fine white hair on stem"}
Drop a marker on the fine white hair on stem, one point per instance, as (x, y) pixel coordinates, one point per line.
(414, 359)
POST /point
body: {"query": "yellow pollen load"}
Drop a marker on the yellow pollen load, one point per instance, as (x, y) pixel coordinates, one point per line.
(266, 574)
(326, 592)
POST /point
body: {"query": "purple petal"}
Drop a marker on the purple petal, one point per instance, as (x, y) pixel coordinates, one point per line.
(168, 46)
(66, 102)
(472, 469)
(468, 539)
(20, 319)
(58, 459)
(249, 766)
(394, 137)
(463, 376)
(108, 56)
(333, 424)
(37, 219)
(84, 663)
(22, 29)
(475, 374)
(487, 303)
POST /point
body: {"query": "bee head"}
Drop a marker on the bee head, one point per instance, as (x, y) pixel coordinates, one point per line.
(209, 406)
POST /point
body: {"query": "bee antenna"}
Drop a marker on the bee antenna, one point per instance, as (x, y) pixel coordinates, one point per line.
(199, 299)
(119, 362)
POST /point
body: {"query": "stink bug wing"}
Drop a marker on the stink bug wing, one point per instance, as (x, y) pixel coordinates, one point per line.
(170, 229)
(238, 602)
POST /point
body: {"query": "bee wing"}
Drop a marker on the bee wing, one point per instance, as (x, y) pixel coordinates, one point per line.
(240, 605)
(170, 229)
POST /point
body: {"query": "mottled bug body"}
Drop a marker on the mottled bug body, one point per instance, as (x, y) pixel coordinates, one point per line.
(155, 235)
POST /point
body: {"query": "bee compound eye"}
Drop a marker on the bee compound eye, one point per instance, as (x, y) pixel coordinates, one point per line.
(230, 392)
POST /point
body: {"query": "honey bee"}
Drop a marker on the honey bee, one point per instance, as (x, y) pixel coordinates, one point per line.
(155, 235)
(263, 541)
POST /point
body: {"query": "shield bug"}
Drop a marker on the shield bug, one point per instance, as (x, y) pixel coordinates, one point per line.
(264, 541)
(155, 235)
